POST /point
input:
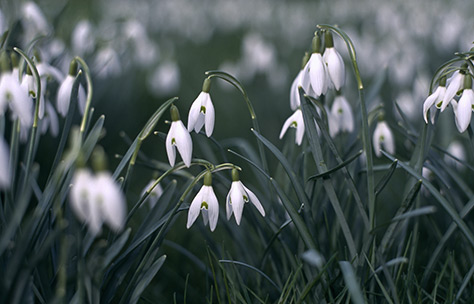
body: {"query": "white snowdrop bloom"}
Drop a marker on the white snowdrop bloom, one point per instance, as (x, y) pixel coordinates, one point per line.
(316, 70)
(237, 197)
(202, 111)
(154, 195)
(454, 85)
(383, 139)
(34, 20)
(107, 63)
(294, 121)
(63, 97)
(165, 79)
(4, 164)
(299, 81)
(334, 62)
(342, 119)
(83, 38)
(434, 101)
(178, 137)
(205, 202)
(97, 199)
(463, 111)
(12, 94)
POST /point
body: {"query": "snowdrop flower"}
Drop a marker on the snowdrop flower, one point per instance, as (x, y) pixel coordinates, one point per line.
(455, 84)
(82, 38)
(300, 81)
(463, 111)
(4, 164)
(383, 138)
(315, 69)
(154, 195)
(294, 121)
(178, 136)
(434, 100)
(341, 118)
(34, 20)
(202, 111)
(335, 64)
(96, 200)
(238, 196)
(206, 202)
(65, 91)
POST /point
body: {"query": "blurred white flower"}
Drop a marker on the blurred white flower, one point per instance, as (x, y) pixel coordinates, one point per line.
(11, 93)
(202, 111)
(295, 121)
(456, 149)
(341, 118)
(383, 139)
(83, 38)
(97, 199)
(34, 21)
(205, 202)
(4, 164)
(239, 195)
(165, 79)
(107, 63)
(154, 195)
(178, 136)
(65, 90)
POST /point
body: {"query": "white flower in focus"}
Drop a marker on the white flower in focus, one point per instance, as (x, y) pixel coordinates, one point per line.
(335, 64)
(97, 199)
(4, 164)
(205, 202)
(154, 195)
(64, 96)
(239, 195)
(463, 111)
(454, 85)
(341, 119)
(299, 81)
(316, 72)
(435, 100)
(202, 111)
(178, 136)
(13, 94)
(294, 121)
(383, 139)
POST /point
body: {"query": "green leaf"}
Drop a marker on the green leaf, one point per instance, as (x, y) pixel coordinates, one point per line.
(145, 280)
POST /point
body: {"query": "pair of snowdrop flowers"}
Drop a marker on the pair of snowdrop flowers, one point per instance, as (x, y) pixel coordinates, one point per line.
(461, 81)
(205, 202)
(319, 73)
(97, 199)
(200, 115)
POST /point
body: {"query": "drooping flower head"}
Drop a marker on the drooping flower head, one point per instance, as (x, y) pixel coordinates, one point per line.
(299, 81)
(463, 111)
(202, 111)
(341, 118)
(455, 83)
(237, 197)
(316, 70)
(294, 121)
(65, 90)
(178, 136)
(435, 100)
(205, 202)
(334, 62)
(383, 139)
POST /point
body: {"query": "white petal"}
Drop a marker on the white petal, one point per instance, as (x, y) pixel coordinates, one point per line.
(80, 193)
(194, 113)
(228, 205)
(194, 208)
(254, 200)
(317, 74)
(64, 95)
(170, 148)
(452, 88)
(429, 102)
(299, 127)
(209, 116)
(237, 197)
(183, 142)
(335, 67)
(213, 208)
(464, 110)
(295, 101)
(111, 201)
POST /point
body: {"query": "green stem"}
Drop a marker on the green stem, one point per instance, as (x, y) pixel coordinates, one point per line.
(87, 73)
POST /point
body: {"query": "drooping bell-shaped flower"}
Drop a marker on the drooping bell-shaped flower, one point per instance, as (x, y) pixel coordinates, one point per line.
(299, 81)
(202, 111)
(334, 62)
(383, 139)
(178, 137)
(435, 100)
(341, 118)
(237, 197)
(463, 111)
(295, 121)
(455, 84)
(205, 202)
(316, 70)
(65, 90)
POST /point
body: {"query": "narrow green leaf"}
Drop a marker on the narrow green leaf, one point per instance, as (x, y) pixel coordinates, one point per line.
(254, 269)
(145, 280)
(151, 123)
(336, 168)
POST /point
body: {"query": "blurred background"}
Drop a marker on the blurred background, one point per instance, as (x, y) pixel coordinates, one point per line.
(144, 52)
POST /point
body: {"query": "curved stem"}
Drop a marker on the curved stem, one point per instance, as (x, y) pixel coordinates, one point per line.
(87, 73)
